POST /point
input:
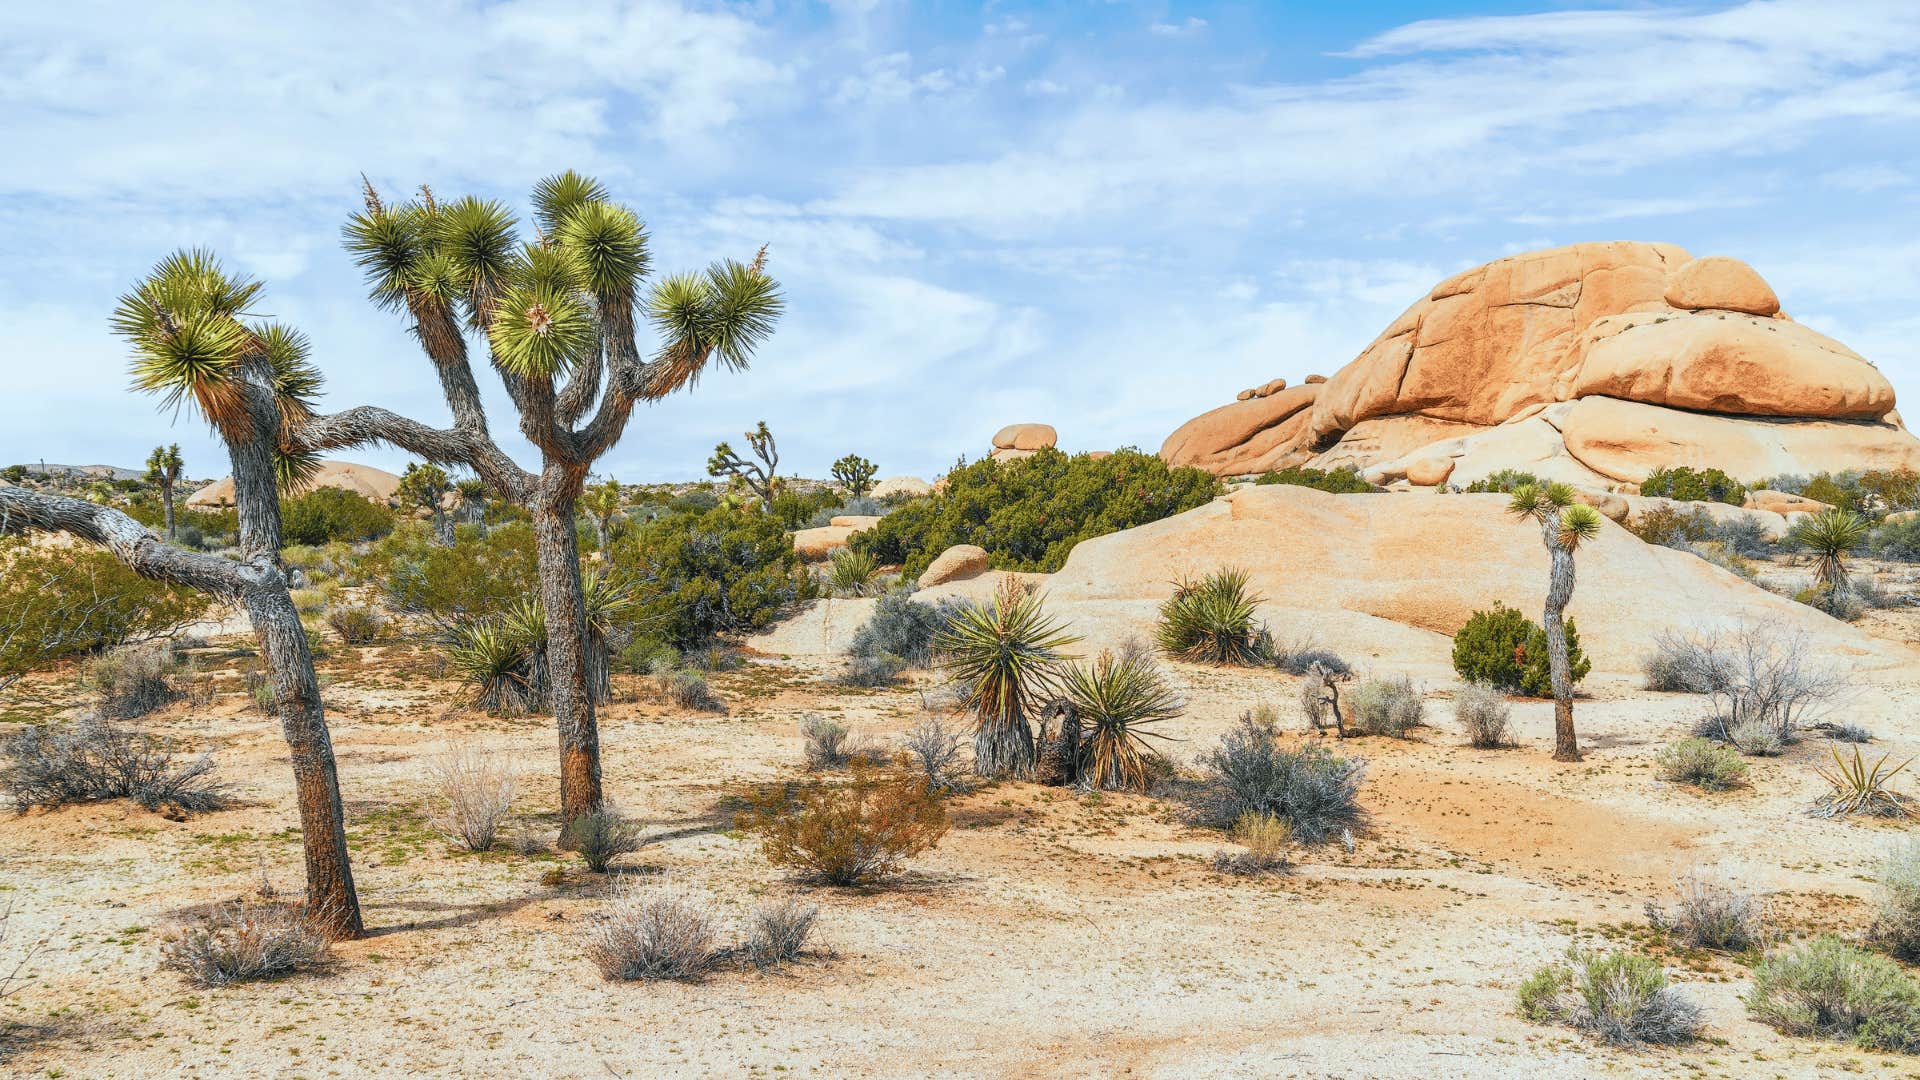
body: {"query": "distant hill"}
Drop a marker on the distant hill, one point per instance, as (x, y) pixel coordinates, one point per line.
(101, 472)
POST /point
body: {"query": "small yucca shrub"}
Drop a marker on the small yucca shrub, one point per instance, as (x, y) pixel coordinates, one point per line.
(1117, 700)
(496, 664)
(1214, 621)
(853, 572)
(1859, 788)
(1005, 656)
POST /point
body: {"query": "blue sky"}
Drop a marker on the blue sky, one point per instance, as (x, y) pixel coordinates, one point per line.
(1108, 216)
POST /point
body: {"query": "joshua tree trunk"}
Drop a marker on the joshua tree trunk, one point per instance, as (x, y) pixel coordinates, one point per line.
(558, 547)
(166, 504)
(1566, 746)
(258, 581)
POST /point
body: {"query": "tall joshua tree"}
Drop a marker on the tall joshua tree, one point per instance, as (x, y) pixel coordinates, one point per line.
(1564, 524)
(426, 487)
(757, 475)
(195, 345)
(163, 469)
(602, 502)
(558, 319)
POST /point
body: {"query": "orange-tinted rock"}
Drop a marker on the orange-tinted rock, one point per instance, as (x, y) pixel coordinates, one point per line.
(1783, 502)
(375, 485)
(1429, 471)
(1626, 440)
(1240, 437)
(1025, 437)
(1720, 282)
(958, 561)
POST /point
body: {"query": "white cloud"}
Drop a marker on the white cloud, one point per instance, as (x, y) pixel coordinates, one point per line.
(1191, 25)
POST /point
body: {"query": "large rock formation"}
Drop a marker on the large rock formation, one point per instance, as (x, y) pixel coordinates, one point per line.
(1022, 440)
(376, 485)
(1595, 363)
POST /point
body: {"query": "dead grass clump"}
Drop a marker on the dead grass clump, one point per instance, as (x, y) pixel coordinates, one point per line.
(1711, 914)
(850, 833)
(92, 760)
(654, 936)
(132, 681)
(246, 942)
(1896, 910)
(1484, 712)
(933, 754)
(475, 789)
(777, 933)
(356, 624)
(1266, 840)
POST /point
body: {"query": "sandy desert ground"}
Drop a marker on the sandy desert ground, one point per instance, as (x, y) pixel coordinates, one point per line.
(1050, 934)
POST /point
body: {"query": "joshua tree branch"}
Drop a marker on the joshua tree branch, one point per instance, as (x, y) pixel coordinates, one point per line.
(23, 511)
(365, 424)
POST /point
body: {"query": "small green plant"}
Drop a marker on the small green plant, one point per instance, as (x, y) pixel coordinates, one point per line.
(1213, 621)
(1829, 536)
(356, 624)
(1005, 655)
(1621, 998)
(326, 514)
(1859, 788)
(853, 573)
(1265, 840)
(1503, 481)
(1505, 649)
(1702, 763)
(1829, 989)
(1345, 480)
(497, 664)
(1117, 700)
(1896, 912)
(1386, 706)
(1688, 485)
(601, 837)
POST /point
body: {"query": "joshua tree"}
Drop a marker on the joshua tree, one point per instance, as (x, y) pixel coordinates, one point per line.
(1830, 535)
(602, 502)
(426, 486)
(855, 473)
(1007, 657)
(1564, 524)
(756, 475)
(163, 469)
(250, 380)
(559, 318)
(473, 498)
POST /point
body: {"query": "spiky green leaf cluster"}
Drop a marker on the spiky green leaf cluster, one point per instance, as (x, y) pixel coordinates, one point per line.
(1214, 621)
(1005, 654)
(1118, 699)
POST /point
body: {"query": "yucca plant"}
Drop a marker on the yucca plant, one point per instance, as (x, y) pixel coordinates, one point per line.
(607, 599)
(1006, 657)
(163, 471)
(1830, 536)
(1859, 788)
(1116, 702)
(1213, 621)
(493, 658)
(1564, 526)
(853, 573)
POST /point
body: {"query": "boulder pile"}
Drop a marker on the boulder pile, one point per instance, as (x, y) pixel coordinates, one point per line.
(1594, 364)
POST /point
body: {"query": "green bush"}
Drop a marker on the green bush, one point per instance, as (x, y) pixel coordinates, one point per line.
(1387, 706)
(1688, 485)
(326, 514)
(1829, 989)
(57, 603)
(1504, 482)
(1666, 527)
(797, 510)
(1212, 621)
(1345, 480)
(718, 571)
(1701, 762)
(1897, 540)
(1506, 649)
(1030, 512)
(482, 573)
(1620, 998)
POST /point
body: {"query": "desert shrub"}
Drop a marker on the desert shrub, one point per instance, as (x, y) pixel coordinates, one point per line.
(132, 681)
(1503, 481)
(475, 790)
(326, 514)
(1028, 513)
(1843, 604)
(483, 572)
(803, 509)
(1710, 914)
(1688, 485)
(246, 942)
(1848, 733)
(1505, 649)
(310, 601)
(1701, 762)
(638, 655)
(356, 624)
(1314, 792)
(1002, 658)
(1116, 701)
(852, 573)
(904, 627)
(1664, 526)
(719, 571)
(1896, 909)
(1484, 713)
(601, 837)
(827, 744)
(1743, 536)
(714, 657)
(1858, 788)
(500, 663)
(1296, 657)
(933, 755)
(777, 933)
(1756, 738)
(1345, 480)
(58, 603)
(1873, 493)
(1829, 989)
(1759, 681)
(654, 936)
(882, 669)
(1896, 540)
(1386, 706)
(1621, 998)
(1685, 665)
(853, 505)
(688, 689)
(853, 832)
(92, 760)
(1265, 840)
(1212, 621)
